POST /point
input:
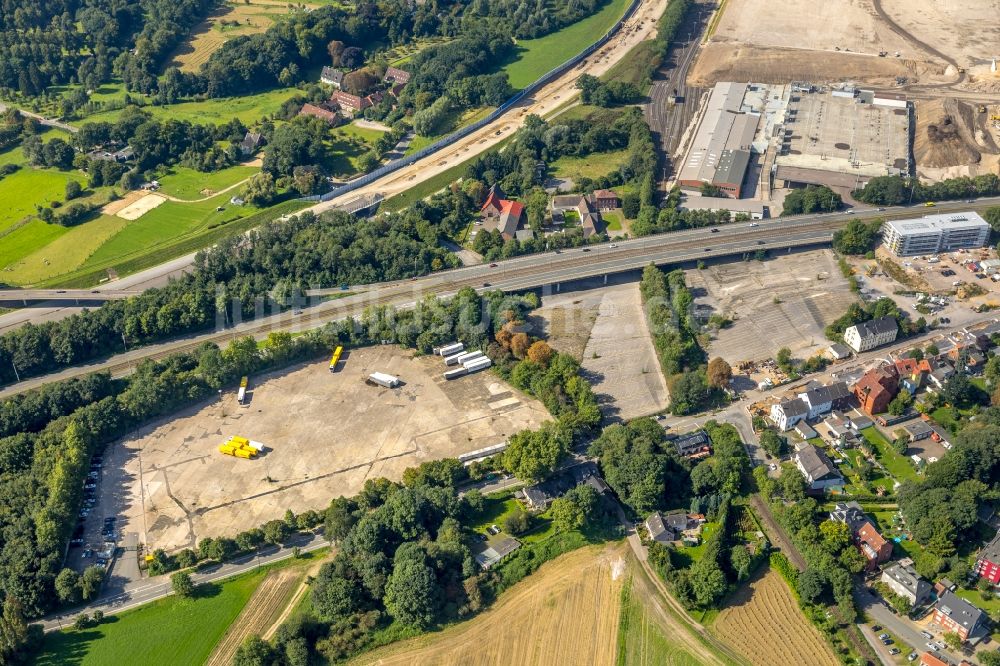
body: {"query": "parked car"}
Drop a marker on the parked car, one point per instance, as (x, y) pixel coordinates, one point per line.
(926, 634)
(877, 627)
(882, 637)
(912, 656)
(894, 651)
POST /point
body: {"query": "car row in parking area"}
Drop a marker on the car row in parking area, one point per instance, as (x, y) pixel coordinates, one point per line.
(97, 548)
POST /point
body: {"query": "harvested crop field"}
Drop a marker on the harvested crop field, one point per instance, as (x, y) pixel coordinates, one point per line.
(567, 612)
(764, 623)
(265, 605)
(229, 21)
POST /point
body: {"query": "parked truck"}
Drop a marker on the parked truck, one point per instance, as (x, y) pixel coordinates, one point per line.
(453, 359)
(469, 356)
(382, 379)
(453, 348)
(241, 395)
(456, 373)
(478, 364)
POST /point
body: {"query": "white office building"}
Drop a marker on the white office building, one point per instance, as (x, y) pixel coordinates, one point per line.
(935, 233)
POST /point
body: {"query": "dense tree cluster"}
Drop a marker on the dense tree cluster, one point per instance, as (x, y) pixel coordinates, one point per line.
(897, 190)
(811, 199)
(857, 237)
(279, 259)
(940, 509)
(668, 217)
(610, 93)
(668, 304)
(159, 142)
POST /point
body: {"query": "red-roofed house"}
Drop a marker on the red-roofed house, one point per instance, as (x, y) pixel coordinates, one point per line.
(501, 213)
(606, 200)
(320, 112)
(397, 75)
(350, 104)
(873, 545)
(930, 659)
(875, 390)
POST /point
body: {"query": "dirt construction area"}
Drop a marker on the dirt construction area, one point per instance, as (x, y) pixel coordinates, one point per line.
(140, 206)
(786, 301)
(566, 613)
(324, 434)
(764, 623)
(777, 41)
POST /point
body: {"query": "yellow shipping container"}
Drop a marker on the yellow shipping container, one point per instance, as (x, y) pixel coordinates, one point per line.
(243, 453)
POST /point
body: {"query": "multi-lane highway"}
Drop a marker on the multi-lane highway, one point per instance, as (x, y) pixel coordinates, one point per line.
(546, 270)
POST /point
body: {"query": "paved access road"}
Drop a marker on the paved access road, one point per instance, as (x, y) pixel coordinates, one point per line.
(158, 587)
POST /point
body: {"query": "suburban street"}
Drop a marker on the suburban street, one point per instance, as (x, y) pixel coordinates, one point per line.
(117, 600)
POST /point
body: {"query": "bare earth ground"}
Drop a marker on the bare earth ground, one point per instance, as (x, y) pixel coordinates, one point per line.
(140, 206)
(566, 613)
(777, 41)
(620, 359)
(953, 139)
(966, 30)
(326, 434)
(113, 207)
(566, 320)
(763, 622)
(640, 27)
(809, 288)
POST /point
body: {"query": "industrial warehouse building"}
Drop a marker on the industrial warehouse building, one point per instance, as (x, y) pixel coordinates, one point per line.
(796, 135)
(720, 151)
(935, 233)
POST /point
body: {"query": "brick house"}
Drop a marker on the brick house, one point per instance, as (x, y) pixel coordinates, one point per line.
(988, 562)
(957, 615)
(322, 112)
(397, 75)
(501, 213)
(875, 390)
(606, 200)
(350, 104)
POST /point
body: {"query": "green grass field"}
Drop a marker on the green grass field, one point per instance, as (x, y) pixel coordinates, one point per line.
(612, 221)
(535, 57)
(64, 253)
(27, 187)
(590, 166)
(897, 465)
(169, 631)
(165, 223)
(641, 638)
(188, 184)
(248, 108)
(366, 134)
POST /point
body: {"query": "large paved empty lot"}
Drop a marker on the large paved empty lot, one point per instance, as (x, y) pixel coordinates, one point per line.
(325, 435)
(620, 359)
(782, 302)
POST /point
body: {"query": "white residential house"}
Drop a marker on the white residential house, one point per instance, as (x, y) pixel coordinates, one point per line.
(871, 334)
(903, 580)
(787, 413)
(822, 399)
(818, 470)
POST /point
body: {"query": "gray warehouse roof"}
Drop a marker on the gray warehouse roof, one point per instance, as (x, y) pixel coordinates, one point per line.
(932, 224)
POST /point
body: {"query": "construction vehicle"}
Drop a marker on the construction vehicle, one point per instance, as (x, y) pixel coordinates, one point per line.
(335, 358)
(982, 108)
